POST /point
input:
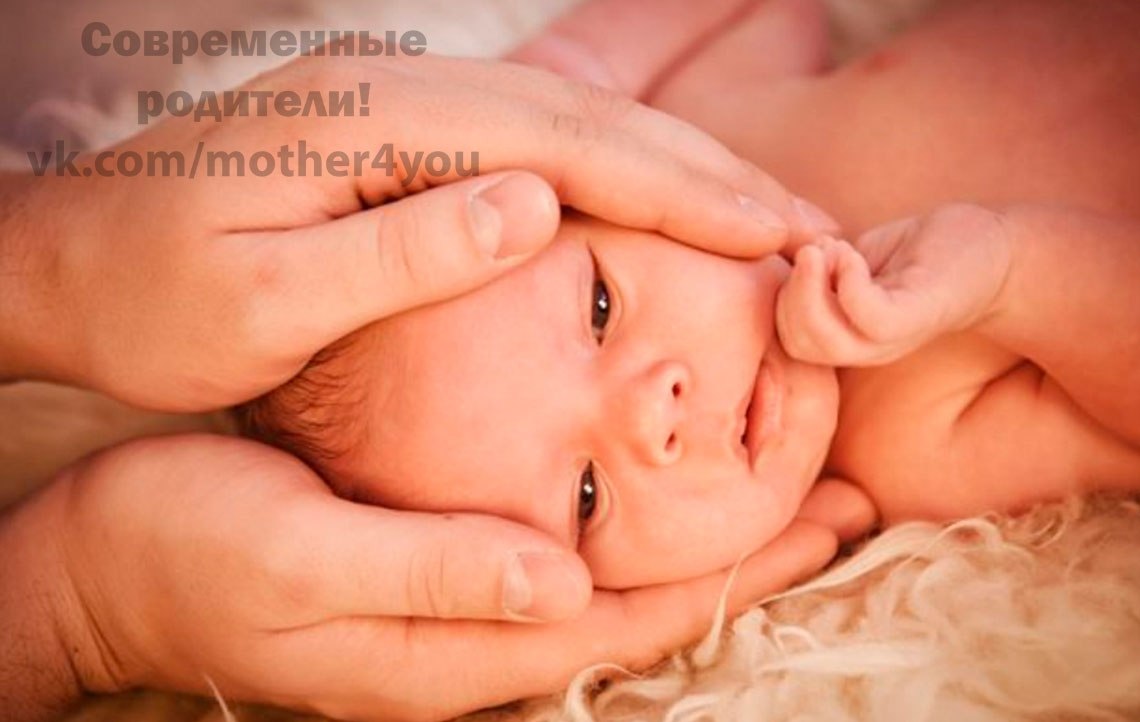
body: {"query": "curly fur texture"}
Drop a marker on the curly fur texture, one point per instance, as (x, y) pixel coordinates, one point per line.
(1028, 618)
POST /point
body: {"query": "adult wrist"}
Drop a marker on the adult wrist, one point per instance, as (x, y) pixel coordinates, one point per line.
(38, 677)
(33, 338)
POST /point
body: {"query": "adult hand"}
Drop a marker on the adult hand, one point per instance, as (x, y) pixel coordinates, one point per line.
(166, 562)
(188, 294)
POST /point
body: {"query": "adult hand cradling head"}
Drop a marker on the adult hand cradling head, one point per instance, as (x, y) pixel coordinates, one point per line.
(224, 559)
(190, 294)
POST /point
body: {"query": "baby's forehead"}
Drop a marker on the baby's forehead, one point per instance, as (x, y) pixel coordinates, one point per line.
(443, 369)
(532, 310)
(518, 292)
(458, 404)
(529, 317)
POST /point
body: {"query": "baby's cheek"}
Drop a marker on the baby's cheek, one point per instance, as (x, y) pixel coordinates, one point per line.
(680, 552)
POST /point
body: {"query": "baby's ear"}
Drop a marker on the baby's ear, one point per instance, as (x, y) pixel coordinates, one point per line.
(840, 506)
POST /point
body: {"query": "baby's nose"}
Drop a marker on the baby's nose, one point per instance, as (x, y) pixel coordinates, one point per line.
(654, 409)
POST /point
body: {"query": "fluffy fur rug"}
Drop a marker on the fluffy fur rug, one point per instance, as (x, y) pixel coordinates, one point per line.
(1034, 618)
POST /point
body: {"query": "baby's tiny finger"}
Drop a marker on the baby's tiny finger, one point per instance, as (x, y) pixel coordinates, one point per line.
(794, 304)
(840, 506)
(822, 332)
(866, 305)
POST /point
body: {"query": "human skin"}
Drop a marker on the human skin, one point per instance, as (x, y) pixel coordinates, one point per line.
(508, 400)
(993, 103)
(1012, 334)
(1013, 105)
(247, 277)
(131, 571)
(242, 280)
(521, 387)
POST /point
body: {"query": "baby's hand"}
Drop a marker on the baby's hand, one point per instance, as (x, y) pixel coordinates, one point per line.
(900, 286)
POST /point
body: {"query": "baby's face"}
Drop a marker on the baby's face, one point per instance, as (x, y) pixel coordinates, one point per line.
(624, 393)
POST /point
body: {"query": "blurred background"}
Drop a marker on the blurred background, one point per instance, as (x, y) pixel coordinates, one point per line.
(50, 89)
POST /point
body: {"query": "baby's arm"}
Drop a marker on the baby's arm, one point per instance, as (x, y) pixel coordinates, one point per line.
(1053, 285)
(1071, 304)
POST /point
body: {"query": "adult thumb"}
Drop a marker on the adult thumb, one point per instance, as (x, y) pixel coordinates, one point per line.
(335, 277)
(362, 560)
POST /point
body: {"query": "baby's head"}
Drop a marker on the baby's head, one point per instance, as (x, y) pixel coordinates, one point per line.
(620, 391)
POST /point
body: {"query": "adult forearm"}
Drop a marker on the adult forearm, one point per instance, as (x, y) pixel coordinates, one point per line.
(37, 680)
(1071, 304)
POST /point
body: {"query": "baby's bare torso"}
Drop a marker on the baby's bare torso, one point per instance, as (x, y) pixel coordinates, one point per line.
(988, 102)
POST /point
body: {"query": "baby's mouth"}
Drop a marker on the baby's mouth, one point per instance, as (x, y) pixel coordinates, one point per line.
(762, 417)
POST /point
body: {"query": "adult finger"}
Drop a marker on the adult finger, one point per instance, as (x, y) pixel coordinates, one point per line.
(599, 117)
(355, 560)
(593, 42)
(633, 629)
(602, 153)
(636, 628)
(840, 506)
(329, 279)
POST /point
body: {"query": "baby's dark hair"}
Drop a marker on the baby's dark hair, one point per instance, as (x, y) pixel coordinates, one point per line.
(316, 415)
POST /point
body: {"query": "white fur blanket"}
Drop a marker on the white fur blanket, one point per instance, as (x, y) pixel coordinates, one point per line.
(1036, 618)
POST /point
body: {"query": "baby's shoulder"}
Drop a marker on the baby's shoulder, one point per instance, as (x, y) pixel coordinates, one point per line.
(963, 427)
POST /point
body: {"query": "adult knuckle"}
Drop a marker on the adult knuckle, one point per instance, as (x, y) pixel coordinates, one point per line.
(427, 583)
(243, 305)
(568, 126)
(298, 586)
(246, 315)
(603, 106)
(266, 274)
(594, 112)
(396, 240)
(289, 581)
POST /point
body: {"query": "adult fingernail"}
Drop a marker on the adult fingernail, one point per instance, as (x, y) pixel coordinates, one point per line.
(814, 218)
(529, 207)
(542, 586)
(762, 214)
(486, 224)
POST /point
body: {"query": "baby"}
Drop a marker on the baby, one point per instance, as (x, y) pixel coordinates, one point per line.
(665, 410)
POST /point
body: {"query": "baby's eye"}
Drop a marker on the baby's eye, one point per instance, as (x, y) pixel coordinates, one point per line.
(587, 496)
(599, 306)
